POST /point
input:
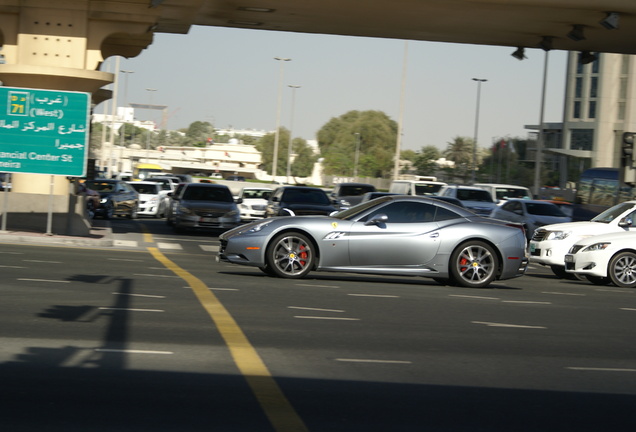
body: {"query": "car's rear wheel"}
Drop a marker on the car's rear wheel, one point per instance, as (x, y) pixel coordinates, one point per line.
(598, 280)
(290, 255)
(474, 264)
(622, 269)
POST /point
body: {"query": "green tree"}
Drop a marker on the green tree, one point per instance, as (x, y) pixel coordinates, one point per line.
(460, 151)
(303, 164)
(198, 133)
(266, 146)
(373, 133)
(132, 134)
(425, 162)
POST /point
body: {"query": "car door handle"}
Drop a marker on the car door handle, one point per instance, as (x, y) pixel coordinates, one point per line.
(435, 235)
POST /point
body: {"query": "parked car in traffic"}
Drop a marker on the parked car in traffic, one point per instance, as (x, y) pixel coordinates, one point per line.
(117, 198)
(203, 206)
(153, 200)
(604, 259)
(549, 244)
(349, 194)
(416, 187)
(475, 199)
(392, 235)
(373, 195)
(235, 178)
(532, 213)
(253, 202)
(502, 192)
(168, 184)
(299, 200)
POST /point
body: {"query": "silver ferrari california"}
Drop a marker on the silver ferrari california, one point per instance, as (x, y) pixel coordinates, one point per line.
(392, 235)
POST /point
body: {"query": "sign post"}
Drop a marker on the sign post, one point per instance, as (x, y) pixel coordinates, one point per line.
(44, 131)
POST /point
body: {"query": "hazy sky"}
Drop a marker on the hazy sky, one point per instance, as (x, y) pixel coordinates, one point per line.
(229, 77)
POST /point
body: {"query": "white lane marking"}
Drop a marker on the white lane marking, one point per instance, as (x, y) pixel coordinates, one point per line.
(317, 286)
(315, 309)
(7, 266)
(155, 275)
(475, 297)
(327, 318)
(373, 295)
(139, 295)
(208, 248)
(601, 369)
(525, 301)
(373, 361)
(614, 290)
(130, 351)
(12, 253)
(43, 261)
(131, 309)
(43, 280)
(628, 309)
(174, 246)
(491, 324)
(221, 289)
(127, 243)
(562, 293)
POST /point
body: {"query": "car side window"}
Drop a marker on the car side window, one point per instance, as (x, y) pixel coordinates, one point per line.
(407, 212)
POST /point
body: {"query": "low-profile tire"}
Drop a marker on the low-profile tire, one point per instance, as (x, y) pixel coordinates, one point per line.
(474, 264)
(622, 269)
(598, 280)
(290, 255)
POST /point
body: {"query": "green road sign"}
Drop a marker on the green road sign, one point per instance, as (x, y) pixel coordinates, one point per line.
(43, 131)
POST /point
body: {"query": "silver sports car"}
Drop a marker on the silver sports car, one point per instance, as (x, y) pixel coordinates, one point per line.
(392, 235)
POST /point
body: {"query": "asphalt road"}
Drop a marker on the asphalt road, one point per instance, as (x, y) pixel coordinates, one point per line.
(154, 335)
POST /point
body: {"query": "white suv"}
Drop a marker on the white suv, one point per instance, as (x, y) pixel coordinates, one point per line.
(475, 199)
(551, 243)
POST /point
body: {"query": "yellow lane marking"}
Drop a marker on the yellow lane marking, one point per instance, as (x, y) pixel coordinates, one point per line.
(147, 235)
(279, 411)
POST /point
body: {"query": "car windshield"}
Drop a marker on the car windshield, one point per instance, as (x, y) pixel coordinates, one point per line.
(353, 212)
(207, 194)
(355, 190)
(256, 193)
(427, 188)
(146, 188)
(507, 193)
(100, 186)
(306, 196)
(544, 209)
(613, 212)
(473, 195)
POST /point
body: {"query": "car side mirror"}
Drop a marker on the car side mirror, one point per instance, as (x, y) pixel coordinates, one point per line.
(239, 200)
(379, 219)
(626, 222)
(275, 199)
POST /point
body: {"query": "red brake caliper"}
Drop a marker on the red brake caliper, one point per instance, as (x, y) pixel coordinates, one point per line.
(463, 263)
(303, 255)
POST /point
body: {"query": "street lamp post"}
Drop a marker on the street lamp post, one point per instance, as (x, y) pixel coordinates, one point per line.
(282, 61)
(479, 81)
(291, 128)
(121, 134)
(151, 90)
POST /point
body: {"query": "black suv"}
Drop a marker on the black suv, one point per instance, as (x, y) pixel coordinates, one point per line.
(349, 194)
(117, 198)
(299, 200)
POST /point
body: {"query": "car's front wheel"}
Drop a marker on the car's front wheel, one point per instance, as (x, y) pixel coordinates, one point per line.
(559, 271)
(474, 264)
(133, 212)
(598, 280)
(290, 255)
(109, 210)
(622, 269)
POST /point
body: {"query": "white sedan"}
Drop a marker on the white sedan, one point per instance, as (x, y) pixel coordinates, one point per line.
(605, 259)
(550, 243)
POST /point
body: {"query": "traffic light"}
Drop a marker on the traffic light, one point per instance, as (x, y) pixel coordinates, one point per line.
(628, 147)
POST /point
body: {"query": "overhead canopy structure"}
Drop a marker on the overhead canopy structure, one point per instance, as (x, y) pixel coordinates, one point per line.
(573, 25)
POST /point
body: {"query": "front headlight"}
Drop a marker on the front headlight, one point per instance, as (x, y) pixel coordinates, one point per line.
(596, 247)
(103, 200)
(257, 227)
(558, 235)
